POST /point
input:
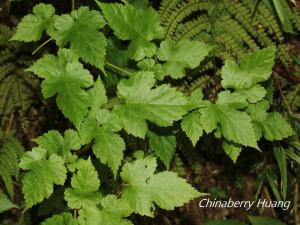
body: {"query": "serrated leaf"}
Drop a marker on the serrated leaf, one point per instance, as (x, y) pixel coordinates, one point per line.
(161, 105)
(81, 29)
(191, 124)
(61, 219)
(196, 99)
(150, 66)
(65, 76)
(254, 93)
(253, 68)
(5, 203)
(163, 145)
(137, 25)
(144, 188)
(235, 125)
(33, 25)
(271, 125)
(55, 143)
(100, 125)
(112, 212)
(109, 148)
(97, 96)
(85, 184)
(42, 174)
(177, 59)
(232, 150)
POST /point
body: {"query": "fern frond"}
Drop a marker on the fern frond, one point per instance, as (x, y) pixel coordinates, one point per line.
(191, 28)
(177, 12)
(283, 55)
(5, 55)
(191, 156)
(10, 153)
(17, 87)
(178, 165)
(293, 98)
(296, 19)
(266, 18)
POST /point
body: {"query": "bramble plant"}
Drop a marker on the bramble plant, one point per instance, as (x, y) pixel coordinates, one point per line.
(143, 102)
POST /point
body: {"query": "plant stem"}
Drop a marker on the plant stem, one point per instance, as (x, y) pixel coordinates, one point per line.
(42, 45)
(123, 71)
(73, 5)
(9, 123)
(296, 199)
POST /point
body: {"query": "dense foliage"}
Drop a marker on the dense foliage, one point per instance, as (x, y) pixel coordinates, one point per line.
(135, 84)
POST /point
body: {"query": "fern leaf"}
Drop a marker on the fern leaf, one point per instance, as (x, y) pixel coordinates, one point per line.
(10, 154)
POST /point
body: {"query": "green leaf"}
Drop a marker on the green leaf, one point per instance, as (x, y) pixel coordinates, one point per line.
(260, 220)
(235, 125)
(42, 174)
(284, 16)
(254, 93)
(97, 96)
(164, 146)
(271, 125)
(280, 156)
(100, 125)
(33, 25)
(62, 219)
(81, 29)
(232, 150)
(123, 20)
(177, 59)
(85, 184)
(191, 124)
(254, 68)
(112, 212)
(139, 3)
(271, 176)
(161, 105)
(109, 148)
(196, 100)
(5, 203)
(55, 143)
(144, 188)
(150, 66)
(224, 222)
(65, 76)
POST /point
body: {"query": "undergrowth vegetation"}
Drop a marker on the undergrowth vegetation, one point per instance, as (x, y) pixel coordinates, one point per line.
(146, 94)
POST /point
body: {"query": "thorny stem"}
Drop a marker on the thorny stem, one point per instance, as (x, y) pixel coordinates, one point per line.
(42, 45)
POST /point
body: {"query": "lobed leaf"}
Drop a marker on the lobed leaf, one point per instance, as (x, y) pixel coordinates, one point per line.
(135, 24)
(41, 176)
(144, 188)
